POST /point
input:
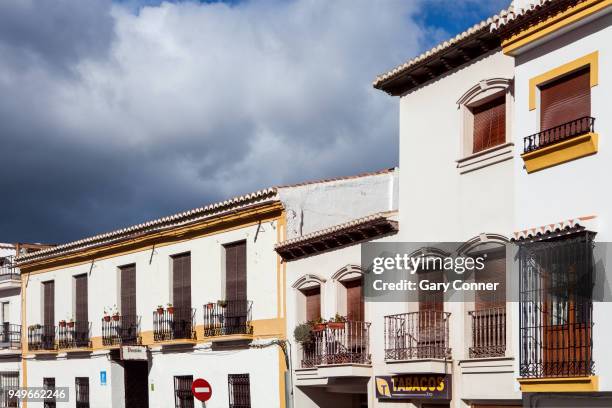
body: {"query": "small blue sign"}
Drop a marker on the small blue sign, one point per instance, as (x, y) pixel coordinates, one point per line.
(102, 377)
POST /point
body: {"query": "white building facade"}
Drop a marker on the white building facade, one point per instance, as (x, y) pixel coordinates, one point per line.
(132, 317)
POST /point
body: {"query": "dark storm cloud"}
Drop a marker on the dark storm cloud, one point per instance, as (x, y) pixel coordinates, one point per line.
(110, 117)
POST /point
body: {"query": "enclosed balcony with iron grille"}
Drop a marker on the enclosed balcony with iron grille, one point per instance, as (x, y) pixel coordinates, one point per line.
(174, 323)
(42, 337)
(556, 308)
(345, 342)
(417, 335)
(73, 335)
(121, 330)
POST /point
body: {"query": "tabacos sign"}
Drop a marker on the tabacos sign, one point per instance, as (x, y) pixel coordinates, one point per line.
(414, 386)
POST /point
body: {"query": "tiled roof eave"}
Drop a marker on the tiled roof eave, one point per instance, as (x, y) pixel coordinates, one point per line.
(352, 232)
(547, 231)
(173, 221)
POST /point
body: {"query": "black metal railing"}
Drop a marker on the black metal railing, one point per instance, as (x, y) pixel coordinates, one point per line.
(338, 343)
(9, 381)
(559, 133)
(8, 271)
(121, 330)
(174, 323)
(556, 307)
(10, 335)
(416, 335)
(226, 317)
(73, 335)
(488, 332)
(42, 337)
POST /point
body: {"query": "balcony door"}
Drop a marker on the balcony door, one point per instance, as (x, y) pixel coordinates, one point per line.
(49, 304)
(181, 295)
(430, 331)
(128, 295)
(81, 314)
(235, 312)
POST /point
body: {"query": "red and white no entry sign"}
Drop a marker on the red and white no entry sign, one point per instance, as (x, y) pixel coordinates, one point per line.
(201, 389)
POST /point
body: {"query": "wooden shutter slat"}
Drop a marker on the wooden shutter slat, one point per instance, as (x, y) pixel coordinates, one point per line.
(489, 124)
(313, 303)
(128, 291)
(565, 99)
(354, 301)
(181, 281)
(493, 272)
(81, 312)
(49, 303)
(235, 271)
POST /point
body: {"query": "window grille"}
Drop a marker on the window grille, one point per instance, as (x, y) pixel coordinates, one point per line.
(49, 384)
(183, 397)
(82, 392)
(9, 380)
(239, 390)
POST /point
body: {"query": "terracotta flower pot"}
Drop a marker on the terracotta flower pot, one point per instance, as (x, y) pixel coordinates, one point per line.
(116, 317)
(62, 323)
(171, 310)
(335, 325)
(319, 327)
(107, 318)
(160, 310)
(71, 324)
(210, 305)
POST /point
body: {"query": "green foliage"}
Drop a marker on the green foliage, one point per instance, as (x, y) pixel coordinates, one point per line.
(303, 333)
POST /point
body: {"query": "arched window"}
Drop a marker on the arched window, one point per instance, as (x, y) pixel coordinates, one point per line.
(350, 293)
(309, 297)
(484, 111)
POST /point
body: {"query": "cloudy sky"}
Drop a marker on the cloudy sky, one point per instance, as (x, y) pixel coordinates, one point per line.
(112, 113)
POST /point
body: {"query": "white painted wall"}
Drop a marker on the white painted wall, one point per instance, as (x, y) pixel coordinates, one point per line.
(315, 206)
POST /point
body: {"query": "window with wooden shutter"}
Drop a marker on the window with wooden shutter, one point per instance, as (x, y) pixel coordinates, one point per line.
(565, 99)
(354, 300)
(489, 124)
(235, 271)
(313, 303)
(128, 293)
(49, 303)
(181, 281)
(81, 302)
(82, 392)
(183, 397)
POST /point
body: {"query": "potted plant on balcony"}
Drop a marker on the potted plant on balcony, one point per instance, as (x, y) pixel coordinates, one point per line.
(160, 310)
(222, 303)
(337, 323)
(71, 323)
(210, 305)
(62, 323)
(170, 308)
(303, 333)
(115, 313)
(319, 325)
(106, 317)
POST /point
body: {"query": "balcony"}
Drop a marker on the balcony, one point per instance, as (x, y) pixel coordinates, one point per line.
(488, 327)
(9, 275)
(228, 317)
(10, 336)
(417, 335)
(42, 337)
(338, 343)
(121, 330)
(174, 323)
(72, 335)
(569, 141)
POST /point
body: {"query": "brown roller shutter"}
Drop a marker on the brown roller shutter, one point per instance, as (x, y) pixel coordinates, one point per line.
(128, 291)
(313, 303)
(49, 303)
(235, 271)
(354, 301)
(81, 313)
(489, 124)
(565, 99)
(181, 281)
(431, 299)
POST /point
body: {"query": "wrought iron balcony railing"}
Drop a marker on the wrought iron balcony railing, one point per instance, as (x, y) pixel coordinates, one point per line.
(121, 330)
(559, 133)
(8, 270)
(226, 317)
(10, 336)
(42, 337)
(73, 335)
(488, 332)
(417, 335)
(174, 323)
(338, 343)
